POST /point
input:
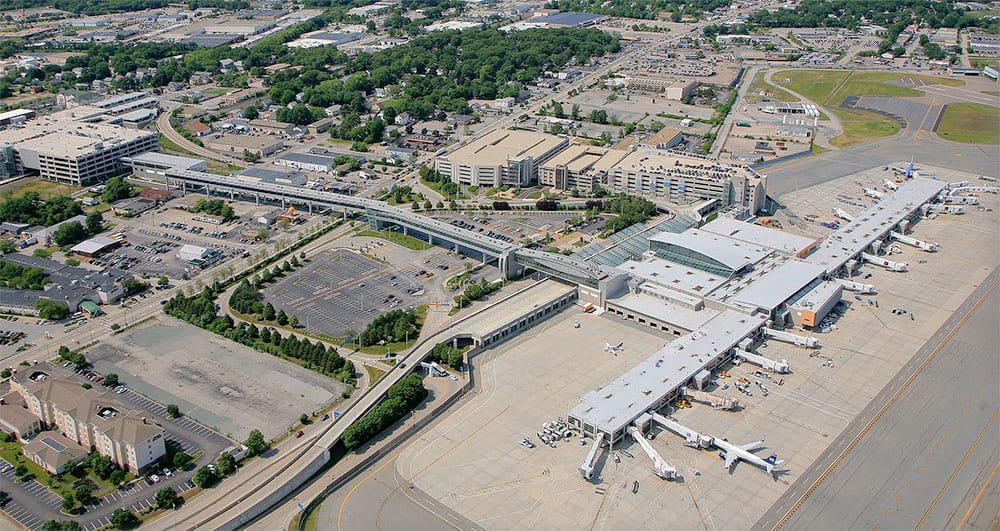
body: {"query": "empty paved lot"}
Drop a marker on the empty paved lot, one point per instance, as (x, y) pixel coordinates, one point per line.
(221, 383)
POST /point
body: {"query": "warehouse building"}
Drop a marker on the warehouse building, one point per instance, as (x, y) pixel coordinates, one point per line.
(95, 246)
(500, 157)
(238, 144)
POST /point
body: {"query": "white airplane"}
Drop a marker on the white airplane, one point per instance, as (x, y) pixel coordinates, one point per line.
(890, 185)
(871, 192)
(731, 453)
(608, 347)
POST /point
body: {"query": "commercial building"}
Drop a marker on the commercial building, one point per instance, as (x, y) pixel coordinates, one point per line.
(307, 162)
(16, 116)
(151, 165)
(238, 144)
(672, 88)
(682, 178)
(91, 419)
(579, 166)
(666, 138)
(190, 252)
(94, 246)
(289, 178)
(500, 157)
(238, 27)
(132, 207)
(324, 38)
(63, 149)
(69, 284)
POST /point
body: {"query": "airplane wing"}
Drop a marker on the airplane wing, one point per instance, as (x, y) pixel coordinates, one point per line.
(752, 446)
(730, 458)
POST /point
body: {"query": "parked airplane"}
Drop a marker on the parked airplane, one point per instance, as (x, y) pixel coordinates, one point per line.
(608, 347)
(731, 453)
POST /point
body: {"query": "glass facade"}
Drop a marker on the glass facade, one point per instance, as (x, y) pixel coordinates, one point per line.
(690, 258)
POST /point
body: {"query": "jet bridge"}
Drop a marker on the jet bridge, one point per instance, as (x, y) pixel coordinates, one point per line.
(660, 467)
(795, 339)
(919, 244)
(743, 354)
(587, 468)
(859, 287)
(898, 267)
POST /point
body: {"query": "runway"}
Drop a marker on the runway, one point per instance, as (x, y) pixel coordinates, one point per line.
(924, 453)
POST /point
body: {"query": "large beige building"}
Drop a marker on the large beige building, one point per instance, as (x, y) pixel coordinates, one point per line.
(673, 89)
(90, 418)
(500, 157)
(579, 166)
(686, 178)
(63, 148)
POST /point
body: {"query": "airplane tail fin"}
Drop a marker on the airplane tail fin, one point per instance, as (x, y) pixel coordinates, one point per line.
(773, 460)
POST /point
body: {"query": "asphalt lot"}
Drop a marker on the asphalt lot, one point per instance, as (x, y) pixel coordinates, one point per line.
(926, 461)
(342, 290)
(223, 385)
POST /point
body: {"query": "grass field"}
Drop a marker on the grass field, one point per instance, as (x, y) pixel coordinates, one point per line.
(167, 145)
(991, 92)
(401, 239)
(44, 189)
(860, 126)
(758, 85)
(970, 123)
(831, 87)
(216, 90)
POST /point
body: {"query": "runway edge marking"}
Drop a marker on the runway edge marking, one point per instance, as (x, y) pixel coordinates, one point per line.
(892, 400)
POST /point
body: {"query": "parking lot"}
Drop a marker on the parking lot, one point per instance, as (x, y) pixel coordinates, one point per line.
(225, 386)
(342, 290)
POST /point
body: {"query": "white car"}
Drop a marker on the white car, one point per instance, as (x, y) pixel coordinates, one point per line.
(453, 378)
(154, 478)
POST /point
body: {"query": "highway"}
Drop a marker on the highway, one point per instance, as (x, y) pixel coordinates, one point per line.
(925, 452)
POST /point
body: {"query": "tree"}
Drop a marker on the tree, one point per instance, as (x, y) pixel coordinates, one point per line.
(250, 156)
(293, 321)
(94, 222)
(204, 477)
(226, 464)
(303, 418)
(166, 498)
(68, 503)
(7, 246)
(255, 443)
(117, 476)
(269, 313)
(427, 205)
(173, 411)
(110, 380)
(83, 494)
(282, 318)
(116, 188)
(250, 113)
(21, 470)
(123, 519)
(163, 281)
(180, 460)
(102, 466)
(69, 233)
(72, 262)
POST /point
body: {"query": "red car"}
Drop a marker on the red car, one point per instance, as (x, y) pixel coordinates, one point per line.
(299, 434)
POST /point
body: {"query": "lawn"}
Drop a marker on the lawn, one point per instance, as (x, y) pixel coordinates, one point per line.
(398, 238)
(970, 123)
(860, 126)
(167, 145)
(374, 374)
(831, 87)
(224, 168)
(44, 189)
(216, 90)
(758, 85)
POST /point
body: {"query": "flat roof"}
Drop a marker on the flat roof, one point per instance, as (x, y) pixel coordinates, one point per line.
(673, 275)
(485, 323)
(656, 308)
(730, 252)
(162, 159)
(819, 295)
(61, 136)
(871, 224)
(570, 19)
(781, 241)
(662, 162)
(309, 158)
(496, 147)
(614, 406)
(664, 135)
(580, 158)
(774, 287)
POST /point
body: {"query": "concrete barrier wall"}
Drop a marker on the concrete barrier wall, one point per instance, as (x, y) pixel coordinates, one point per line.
(259, 508)
(793, 156)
